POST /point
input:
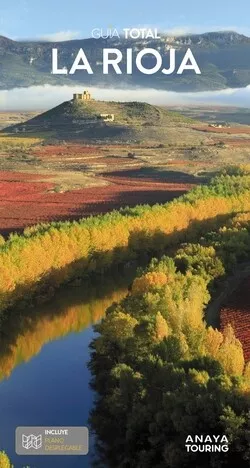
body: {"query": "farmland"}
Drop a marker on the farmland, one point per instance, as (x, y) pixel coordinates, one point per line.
(11, 118)
(52, 168)
(237, 313)
(25, 200)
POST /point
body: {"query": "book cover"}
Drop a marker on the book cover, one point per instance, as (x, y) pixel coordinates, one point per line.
(124, 234)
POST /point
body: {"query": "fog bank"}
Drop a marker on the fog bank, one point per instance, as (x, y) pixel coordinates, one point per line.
(47, 96)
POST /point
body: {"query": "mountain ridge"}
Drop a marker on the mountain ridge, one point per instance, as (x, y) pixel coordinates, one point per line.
(223, 57)
(217, 35)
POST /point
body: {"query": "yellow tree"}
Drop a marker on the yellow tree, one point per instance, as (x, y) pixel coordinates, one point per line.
(161, 327)
(4, 461)
(213, 341)
(154, 279)
(230, 353)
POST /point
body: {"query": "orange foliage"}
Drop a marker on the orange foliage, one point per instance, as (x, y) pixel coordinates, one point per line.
(61, 250)
(148, 281)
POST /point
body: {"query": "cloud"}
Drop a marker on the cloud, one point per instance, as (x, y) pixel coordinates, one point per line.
(175, 31)
(180, 31)
(186, 30)
(60, 36)
(45, 97)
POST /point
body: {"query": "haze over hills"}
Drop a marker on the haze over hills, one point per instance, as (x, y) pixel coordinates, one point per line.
(223, 57)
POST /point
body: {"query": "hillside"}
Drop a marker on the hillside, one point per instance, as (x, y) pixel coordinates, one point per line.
(133, 122)
(223, 57)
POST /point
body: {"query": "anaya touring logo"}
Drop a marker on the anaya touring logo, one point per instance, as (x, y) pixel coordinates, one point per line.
(207, 443)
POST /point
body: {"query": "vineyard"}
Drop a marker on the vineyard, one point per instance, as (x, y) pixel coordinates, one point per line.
(26, 201)
(237, 313)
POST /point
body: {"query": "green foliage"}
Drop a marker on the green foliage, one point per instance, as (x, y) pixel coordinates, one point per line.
(168, 375)
(200, 261)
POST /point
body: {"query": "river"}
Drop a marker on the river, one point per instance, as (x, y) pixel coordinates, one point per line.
(44, 379)
(44, 351)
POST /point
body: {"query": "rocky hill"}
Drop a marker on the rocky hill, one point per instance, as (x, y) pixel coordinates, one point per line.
(223, 57)
(101, 121)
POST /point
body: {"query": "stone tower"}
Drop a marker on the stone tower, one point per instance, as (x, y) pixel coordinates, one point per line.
(85, 96)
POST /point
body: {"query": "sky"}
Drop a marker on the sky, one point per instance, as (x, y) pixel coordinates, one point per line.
(64, 19)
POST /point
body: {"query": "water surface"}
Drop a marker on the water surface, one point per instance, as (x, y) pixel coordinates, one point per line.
(43, 367)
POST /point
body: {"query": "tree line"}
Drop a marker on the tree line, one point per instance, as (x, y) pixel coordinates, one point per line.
(48, 255)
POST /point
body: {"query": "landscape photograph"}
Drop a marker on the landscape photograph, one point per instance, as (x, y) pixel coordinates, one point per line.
(124, 235)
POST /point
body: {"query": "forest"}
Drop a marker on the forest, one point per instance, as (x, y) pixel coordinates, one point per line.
(162, 370)
(161, 373)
